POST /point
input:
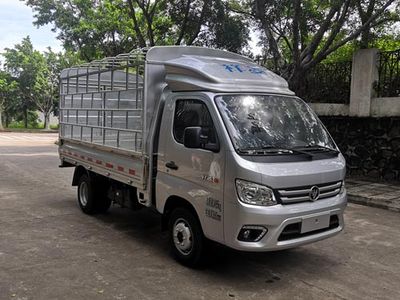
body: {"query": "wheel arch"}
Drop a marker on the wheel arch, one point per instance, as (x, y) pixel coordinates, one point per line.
(173, 202)
(79, 171)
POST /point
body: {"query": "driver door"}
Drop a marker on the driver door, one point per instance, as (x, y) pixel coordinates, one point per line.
(197, 175)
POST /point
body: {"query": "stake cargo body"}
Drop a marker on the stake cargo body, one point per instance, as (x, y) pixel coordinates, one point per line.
(217, 144)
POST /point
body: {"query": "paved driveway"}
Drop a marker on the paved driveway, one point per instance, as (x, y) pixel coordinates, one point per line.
(50, 250)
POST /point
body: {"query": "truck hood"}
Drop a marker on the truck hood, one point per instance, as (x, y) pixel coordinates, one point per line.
(303, 173)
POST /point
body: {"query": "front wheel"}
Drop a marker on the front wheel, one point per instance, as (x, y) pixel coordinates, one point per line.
(186, 238)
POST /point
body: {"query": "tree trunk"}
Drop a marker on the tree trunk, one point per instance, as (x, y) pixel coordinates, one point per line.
(296, 79)
(132, 12)
(47, 121)
(1, 121)
(25, 117)
(365, 38)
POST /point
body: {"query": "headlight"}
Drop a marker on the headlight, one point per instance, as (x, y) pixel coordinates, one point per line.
(255, 194)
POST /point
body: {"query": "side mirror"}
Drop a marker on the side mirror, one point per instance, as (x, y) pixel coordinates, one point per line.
(194, 137)
(191, 137)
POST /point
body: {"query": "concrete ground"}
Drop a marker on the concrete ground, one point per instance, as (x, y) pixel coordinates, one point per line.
(50, 250)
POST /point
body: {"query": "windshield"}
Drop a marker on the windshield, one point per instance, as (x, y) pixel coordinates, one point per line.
(269, 121)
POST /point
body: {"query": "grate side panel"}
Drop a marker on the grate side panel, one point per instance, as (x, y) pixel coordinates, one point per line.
(102, 102)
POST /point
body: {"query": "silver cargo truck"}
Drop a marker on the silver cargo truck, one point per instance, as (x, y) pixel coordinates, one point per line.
(218, 145)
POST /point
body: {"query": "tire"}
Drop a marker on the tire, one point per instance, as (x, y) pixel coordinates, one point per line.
(102, 202)
(188, 244)
(92, 198)
(86, 197)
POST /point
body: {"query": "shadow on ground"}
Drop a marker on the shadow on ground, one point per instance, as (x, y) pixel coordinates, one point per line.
(225, 264)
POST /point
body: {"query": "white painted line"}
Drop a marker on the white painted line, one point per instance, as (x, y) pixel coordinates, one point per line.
(6, 137)
(30, 154)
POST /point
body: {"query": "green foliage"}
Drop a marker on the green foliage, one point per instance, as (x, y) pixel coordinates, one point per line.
(229, 31)
(97, 29)
(387, 43)
(19, 123)
(23, 62)
(34, 78)
(381, 27)
(8, 94)
(8, 88)
(345, 53)
(297, 35)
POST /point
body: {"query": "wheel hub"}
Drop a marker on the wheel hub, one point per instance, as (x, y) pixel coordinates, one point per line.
(183, 237)
(83, 193)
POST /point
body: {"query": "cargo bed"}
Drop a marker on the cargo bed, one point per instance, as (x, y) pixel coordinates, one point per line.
(102, 120)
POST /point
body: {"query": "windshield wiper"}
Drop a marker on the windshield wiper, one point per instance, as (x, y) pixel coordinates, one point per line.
(318, 148)
(271, 150)
(266, 149)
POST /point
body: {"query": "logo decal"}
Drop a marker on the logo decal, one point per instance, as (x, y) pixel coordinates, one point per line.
(314, 193)
(211, 179)
(240, 68)
(213, 209)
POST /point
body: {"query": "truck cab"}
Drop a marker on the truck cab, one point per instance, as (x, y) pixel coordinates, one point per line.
(255, 183)
(231, 155)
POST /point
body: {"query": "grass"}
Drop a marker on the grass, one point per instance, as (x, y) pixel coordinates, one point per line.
(32, 127)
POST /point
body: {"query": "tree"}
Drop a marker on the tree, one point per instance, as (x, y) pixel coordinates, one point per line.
(46, 88)
(23, 63)
(37, 76)
(375, 29)
(8, 87)
(95, 28)
(299, 34)
(98, 28)
(173, 22)
(226, 31)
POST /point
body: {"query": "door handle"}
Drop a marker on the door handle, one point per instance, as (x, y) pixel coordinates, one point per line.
(171, 165)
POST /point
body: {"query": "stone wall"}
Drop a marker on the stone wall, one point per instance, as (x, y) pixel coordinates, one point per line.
(371, 145)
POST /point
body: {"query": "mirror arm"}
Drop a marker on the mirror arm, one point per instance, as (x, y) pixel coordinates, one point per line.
(214, 147)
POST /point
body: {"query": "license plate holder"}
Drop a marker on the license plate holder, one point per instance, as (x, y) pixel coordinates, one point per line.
(315, 223)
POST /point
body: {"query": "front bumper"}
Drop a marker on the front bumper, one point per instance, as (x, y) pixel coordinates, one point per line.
(276, 218)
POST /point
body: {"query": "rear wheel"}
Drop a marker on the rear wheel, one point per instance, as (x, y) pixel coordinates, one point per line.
(92, 196)
(85, 195)
(102, 202)
(186, 238)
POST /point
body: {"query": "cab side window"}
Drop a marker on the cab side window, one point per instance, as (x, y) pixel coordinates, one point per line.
(190, 113)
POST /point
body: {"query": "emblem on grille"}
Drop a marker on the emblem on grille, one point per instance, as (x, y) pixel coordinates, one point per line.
(314, 193)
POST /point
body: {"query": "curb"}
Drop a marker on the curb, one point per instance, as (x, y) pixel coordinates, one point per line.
(384, 204)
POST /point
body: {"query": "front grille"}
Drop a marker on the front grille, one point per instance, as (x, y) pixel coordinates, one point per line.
(302, 194)
(293, 231)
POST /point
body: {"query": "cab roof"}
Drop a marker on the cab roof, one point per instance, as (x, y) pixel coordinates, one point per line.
(198, 68)
(187, 68)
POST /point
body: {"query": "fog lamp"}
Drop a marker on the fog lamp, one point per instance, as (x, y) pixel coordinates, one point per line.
(252, 233)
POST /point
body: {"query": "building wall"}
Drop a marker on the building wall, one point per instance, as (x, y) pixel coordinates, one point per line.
(367, 130)
(53, 118)
(371, 145)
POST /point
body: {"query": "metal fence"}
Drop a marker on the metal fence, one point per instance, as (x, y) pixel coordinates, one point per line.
(388, 84)
(327, 83)
(102, 102)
